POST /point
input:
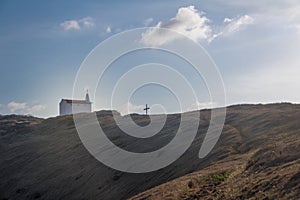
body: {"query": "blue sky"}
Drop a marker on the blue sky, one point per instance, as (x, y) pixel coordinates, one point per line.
(43, 43)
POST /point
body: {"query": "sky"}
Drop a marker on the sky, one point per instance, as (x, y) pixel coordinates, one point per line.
(255, 46)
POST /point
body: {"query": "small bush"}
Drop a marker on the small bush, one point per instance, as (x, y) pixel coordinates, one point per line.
(219, 177)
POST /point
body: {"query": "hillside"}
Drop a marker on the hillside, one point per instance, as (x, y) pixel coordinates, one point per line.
(256, 157)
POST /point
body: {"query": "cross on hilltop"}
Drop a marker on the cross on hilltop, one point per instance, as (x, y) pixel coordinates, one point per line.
(146, 109)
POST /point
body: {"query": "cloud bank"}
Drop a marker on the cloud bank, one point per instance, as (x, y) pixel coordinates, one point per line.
(23, 108)
(14, 106)
(130, 108)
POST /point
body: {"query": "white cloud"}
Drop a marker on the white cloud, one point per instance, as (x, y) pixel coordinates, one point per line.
(14, 106)
(193, 24)
(148, 21)
(23, 108)
(227, 20)
(36, 109)
(236, 24)
(233, 25)
(202, 105)
(70, 25)
(188, 21)
(130, 108)
(86, 22)
(108, 29)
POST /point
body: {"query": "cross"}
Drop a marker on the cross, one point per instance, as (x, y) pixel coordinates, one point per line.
(146, 109)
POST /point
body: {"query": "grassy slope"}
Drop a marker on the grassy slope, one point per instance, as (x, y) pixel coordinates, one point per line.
(256, 156)
(265, 164)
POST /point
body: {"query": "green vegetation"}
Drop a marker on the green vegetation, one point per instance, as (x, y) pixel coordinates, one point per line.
(219, 177)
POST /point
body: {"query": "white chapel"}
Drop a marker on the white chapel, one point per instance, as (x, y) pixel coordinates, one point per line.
(70, 106)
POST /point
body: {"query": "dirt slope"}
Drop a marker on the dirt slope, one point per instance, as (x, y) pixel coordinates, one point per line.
(257, 156)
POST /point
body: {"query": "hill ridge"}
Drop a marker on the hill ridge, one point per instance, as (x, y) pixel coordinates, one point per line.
(45, 158)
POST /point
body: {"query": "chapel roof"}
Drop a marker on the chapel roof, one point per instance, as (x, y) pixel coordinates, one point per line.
(71, 101)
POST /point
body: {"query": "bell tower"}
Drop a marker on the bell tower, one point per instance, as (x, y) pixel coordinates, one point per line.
(87, 97)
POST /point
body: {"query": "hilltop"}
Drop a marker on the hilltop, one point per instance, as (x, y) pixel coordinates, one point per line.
(257, 156)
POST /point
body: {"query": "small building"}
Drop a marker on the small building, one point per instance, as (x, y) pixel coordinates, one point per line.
(70, 106)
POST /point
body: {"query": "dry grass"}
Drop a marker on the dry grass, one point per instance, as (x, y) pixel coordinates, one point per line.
(257, 157)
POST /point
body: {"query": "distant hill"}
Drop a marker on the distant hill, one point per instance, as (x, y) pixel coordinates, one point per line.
(257, 157)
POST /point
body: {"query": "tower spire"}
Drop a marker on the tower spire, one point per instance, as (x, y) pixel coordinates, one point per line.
(87, 97)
